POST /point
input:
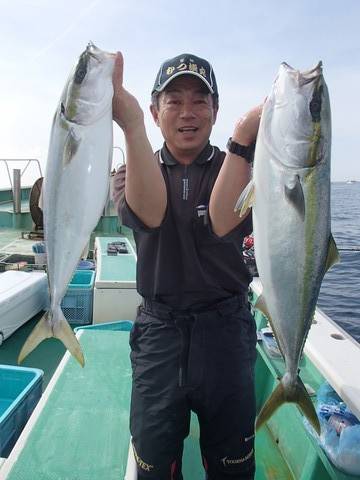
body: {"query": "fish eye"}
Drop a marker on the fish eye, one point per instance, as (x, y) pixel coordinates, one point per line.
(81, 69)
(80, 75)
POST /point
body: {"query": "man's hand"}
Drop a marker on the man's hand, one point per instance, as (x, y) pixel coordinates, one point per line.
(247, 127)
(126, 109)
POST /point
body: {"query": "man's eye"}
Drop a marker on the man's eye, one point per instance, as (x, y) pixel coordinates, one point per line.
(200, 101)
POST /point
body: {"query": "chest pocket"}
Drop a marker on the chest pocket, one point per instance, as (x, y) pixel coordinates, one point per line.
(201, 219)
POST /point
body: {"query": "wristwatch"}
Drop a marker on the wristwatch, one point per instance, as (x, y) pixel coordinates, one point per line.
(247, 152)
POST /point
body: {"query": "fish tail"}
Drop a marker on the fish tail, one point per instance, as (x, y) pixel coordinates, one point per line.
(58, 328)
(285, 392)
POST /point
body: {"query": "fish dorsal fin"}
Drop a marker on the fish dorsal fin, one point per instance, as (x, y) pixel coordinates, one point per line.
(246, 199)
(332, 255)
(260, 304)
(295, 195)
(72, 143)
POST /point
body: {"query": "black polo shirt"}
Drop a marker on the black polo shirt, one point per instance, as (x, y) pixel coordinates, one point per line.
(182, 263)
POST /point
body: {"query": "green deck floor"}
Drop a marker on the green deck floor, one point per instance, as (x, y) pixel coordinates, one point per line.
(83, 434)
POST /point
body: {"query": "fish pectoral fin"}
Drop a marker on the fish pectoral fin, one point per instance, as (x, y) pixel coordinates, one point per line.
(246, 199)
(64, 332)
(295, 195)
(332, 255)
(72, 143)
(284, 392)
(40, 332)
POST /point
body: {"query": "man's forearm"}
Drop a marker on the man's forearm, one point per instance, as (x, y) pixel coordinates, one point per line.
(145, 189)
(232, 179)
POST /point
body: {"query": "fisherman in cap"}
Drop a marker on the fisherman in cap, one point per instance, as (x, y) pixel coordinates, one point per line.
(193, 341)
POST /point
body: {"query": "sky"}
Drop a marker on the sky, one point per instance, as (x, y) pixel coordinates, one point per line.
(244, 40)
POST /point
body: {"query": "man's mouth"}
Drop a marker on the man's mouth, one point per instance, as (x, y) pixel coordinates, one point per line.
(187, 129)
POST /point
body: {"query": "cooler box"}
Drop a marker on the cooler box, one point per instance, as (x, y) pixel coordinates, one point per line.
(115, 295)
(22, 295)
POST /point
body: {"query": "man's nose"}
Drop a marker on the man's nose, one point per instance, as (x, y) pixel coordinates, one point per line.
(187, 110)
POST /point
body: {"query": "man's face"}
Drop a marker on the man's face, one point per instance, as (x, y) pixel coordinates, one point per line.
(185, 115)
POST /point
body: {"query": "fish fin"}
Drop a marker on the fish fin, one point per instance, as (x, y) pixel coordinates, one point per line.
(44, 330)
(40, 332)
(306, 406)
(295, 195)
(64, 332)
(70, 148)
(276, 399)
(260, 304)
(285, 392)
(333, 254)
(246, 199)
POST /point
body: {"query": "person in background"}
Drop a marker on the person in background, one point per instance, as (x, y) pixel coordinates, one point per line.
(193, 341)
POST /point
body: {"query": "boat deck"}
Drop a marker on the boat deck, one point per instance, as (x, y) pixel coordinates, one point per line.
(11, 242)
(90, 407)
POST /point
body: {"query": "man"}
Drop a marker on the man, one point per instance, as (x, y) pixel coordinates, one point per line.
(193, 342)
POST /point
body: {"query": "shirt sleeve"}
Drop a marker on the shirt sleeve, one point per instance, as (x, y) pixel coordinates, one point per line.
(126, 215)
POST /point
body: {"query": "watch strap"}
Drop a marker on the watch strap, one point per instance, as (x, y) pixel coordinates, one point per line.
(246, 152)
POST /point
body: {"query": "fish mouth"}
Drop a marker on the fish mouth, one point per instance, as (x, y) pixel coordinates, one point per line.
(307, 76)
(94, 52)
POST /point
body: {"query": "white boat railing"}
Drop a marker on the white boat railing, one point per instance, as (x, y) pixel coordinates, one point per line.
(27, 160)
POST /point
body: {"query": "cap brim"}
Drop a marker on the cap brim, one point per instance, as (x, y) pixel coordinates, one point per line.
(177, 74)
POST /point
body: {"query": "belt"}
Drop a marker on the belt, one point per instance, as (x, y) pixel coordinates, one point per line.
(166, 312)
(184, 320)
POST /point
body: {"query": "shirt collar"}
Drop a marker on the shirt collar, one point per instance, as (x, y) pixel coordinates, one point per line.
(204, 156)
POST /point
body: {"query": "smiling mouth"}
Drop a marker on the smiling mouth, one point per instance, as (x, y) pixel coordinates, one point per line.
(187, 129)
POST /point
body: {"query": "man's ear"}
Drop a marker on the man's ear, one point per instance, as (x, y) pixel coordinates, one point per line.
(215, 109)
(155, 114)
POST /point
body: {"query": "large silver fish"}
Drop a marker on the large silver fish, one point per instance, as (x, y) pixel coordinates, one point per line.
(76, 184)
(290, 197)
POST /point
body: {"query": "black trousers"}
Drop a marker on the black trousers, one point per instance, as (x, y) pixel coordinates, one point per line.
(201, 361)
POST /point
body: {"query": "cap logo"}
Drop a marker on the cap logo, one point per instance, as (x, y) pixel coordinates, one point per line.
(202, 72)
(192, 67)
(181, 67)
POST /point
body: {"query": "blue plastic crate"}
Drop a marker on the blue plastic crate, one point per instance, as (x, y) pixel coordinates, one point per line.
(77, 304)
(82, 279)
(20, 391)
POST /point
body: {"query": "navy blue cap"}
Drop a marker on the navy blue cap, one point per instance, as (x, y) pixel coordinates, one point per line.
(185, 64)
